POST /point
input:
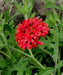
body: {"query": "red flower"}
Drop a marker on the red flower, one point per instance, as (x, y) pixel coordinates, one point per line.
(29, 32)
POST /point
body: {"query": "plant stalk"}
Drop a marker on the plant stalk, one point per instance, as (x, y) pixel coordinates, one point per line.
(59, 54)
(5, 40)
(36, 60)
(31, 56)
(5, 54)
(26, 17)
(19, 51)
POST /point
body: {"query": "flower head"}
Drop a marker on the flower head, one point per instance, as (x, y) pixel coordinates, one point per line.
(29, 32)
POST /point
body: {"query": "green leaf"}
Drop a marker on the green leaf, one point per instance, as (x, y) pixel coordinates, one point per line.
(47, 71)
(6, 16)
(26, 8)
(20, 73)
(46, 42)
(12, 37)
(6, 33)
(40, 59)
(21, 66)
(56, 39)
(32, 15)
(28, 72)
(29, 9)
(59, 65)
(49, 4)
(7, 27)
(20, 8)
(1, 15)
(55, 15)
(11, 23)
(1, 44)
(17, 54)
(13, 59)
(3, 63)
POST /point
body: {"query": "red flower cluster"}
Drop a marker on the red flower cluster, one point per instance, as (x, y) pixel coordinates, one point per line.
(29, 32)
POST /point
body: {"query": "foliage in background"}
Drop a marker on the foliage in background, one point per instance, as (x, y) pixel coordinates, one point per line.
(25, 8)
(17, 63)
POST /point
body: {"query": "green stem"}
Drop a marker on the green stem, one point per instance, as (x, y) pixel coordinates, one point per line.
(25, 16)
(31, 56)
(5, 40)
(59, 53)
(20, 51)
(5, 54)
(36, 60)
(10, 9)
(28, 56)
(3, 22)
(56, 61)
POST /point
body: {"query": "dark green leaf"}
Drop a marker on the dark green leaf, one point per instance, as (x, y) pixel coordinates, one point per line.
(7, 27)
(6, 16)
(3, 63)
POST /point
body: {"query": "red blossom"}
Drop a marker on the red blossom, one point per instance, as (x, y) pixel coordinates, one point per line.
(29, 32)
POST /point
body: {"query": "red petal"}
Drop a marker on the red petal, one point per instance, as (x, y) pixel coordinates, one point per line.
(40, 43)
